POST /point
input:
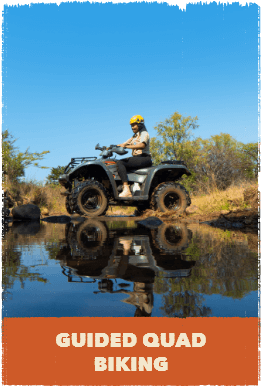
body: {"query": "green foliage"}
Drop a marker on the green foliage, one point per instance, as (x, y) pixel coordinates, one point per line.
(193, 250)
(214, 163)
(52, 178)
(13, 270)
(224, 160)
(226, 206)
(175, 133)
(15, 162)
(222, 266)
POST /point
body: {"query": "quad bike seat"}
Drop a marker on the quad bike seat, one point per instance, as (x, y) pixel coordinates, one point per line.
(141, 171)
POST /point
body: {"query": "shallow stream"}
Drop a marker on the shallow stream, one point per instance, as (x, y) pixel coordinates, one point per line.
(116, 268)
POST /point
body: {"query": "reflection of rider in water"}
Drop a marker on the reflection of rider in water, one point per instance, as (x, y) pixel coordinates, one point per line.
(126, 242)
(142, 313)
(142, 296)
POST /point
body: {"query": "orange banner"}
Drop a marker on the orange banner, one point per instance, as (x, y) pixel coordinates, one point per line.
(130, 351)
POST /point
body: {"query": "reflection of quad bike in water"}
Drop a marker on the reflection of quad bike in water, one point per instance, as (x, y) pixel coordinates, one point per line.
(93, 184)
(87, 238)
(170, 239)
(92, 239)
(95, 253)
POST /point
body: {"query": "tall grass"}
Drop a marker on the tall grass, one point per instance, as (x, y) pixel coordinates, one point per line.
(121, 210)
(50, 200)
(47, 197)
(216, 200)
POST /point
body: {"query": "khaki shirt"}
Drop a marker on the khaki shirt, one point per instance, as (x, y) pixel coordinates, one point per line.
(139, 137)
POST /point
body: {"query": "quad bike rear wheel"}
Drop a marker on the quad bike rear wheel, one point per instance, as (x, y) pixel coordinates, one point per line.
(170, 196)
(90, 199)
(171, 238)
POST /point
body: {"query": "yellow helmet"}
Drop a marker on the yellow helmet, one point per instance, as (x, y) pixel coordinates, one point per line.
(136, 119)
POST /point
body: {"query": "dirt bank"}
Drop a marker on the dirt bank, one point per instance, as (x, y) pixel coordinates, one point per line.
(244, 220)
(233, 209)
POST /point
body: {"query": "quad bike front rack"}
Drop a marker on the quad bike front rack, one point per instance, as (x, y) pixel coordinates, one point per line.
(75, 161)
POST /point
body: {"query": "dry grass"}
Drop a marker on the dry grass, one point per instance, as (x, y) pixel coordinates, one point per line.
(55, 202)
(120, 210)
(50, 200)
(230, 199)
(48, 197)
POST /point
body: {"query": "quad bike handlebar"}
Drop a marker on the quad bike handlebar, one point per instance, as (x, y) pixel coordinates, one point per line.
(108, 151)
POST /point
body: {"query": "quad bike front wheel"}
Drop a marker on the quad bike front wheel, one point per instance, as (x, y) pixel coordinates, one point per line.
(90, 199)
(170, 196)
(141, 209)
(69, 204)
(91, 236)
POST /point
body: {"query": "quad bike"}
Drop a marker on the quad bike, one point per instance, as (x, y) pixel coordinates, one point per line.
(93, 184)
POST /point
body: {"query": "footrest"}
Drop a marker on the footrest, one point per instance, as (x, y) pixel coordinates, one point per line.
(65, 193)
(136, 198)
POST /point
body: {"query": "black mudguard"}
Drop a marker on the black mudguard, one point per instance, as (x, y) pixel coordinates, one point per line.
(85, 167)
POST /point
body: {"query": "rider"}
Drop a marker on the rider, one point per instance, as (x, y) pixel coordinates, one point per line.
(141, 157)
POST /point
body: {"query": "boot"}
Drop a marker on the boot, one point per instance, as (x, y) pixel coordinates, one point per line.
(126, 192)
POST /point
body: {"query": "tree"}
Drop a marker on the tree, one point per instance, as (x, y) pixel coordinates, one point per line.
(175, 142)
(214, 163)
(175, 133)
(15, 162)
(249, 159)
(223, 160)
(52, 178)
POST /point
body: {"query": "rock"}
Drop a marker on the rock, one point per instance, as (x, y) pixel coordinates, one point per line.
(57, 219)
(224, 211)
(151, 222)
(237, 225)
(5, 212)
(44, 212)
(28, 227)
(26, 212)
(77, 220)
(123, 285)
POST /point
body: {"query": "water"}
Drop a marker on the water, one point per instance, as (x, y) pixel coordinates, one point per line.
(121, 269)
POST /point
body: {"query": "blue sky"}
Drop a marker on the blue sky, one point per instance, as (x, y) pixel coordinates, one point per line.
(74, 74)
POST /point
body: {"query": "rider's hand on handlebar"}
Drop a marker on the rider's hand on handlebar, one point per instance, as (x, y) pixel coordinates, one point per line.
(121, 145)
